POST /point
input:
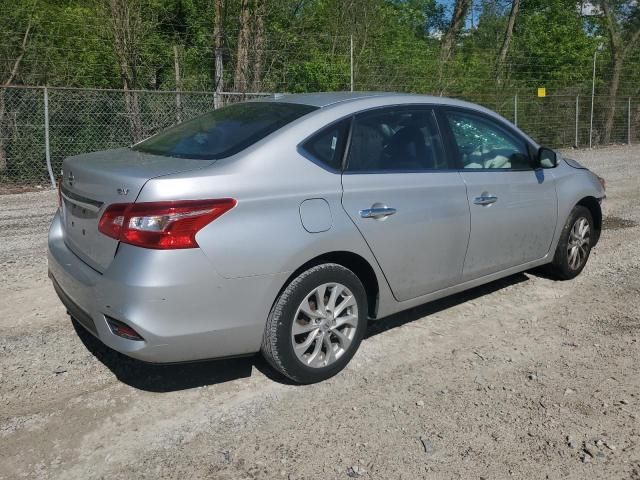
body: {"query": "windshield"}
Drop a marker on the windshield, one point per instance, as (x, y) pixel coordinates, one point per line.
(223, 132)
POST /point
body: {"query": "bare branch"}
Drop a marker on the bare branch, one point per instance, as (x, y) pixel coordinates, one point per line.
(23, 49)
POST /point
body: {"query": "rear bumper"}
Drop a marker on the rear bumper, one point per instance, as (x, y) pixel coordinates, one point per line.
(74, 309)
(174, 299)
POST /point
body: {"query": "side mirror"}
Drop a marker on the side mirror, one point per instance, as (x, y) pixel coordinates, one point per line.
(547, 158)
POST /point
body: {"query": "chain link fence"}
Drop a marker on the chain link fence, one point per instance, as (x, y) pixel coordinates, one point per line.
(40, 126)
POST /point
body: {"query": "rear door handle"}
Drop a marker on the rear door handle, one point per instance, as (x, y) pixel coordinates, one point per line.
(485, 199)
(377, 212)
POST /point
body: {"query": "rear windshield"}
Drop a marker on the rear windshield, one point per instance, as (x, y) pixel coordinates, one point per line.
(223, 132)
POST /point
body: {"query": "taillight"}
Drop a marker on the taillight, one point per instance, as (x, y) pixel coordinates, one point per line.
(161, 225)
(112, 220)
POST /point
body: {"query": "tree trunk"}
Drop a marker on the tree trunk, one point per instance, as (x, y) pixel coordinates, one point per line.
(256, 84)
(242, 57)
(218, 74)
(176, 67)
(126, 27)
(621, 45)
(457, 22)
(508, 35)
(132, 105)
(617, 63)
(7, 81)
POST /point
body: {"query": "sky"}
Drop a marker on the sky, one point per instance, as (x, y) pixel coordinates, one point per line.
(587, 9)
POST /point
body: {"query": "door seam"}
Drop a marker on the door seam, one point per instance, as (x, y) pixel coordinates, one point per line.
(344, 210)
(466, 251)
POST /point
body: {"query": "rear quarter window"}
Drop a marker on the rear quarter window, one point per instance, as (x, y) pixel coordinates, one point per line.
(327, 146)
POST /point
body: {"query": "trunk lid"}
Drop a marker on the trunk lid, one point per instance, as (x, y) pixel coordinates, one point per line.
(93, 181)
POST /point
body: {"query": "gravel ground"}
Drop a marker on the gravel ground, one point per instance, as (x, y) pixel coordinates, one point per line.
(522, 378)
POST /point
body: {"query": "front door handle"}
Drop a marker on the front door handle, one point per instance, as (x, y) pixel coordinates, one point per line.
(377, 212)
(485, 199)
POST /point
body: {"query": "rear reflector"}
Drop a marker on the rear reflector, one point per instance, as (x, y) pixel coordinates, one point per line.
(161, 225)
(122, 329)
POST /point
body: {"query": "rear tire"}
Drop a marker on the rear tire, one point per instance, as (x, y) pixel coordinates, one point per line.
(574, 246)
(316, 324)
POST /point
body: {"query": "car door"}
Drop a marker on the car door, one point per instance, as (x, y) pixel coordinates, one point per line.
(513, 206)
(409, 204)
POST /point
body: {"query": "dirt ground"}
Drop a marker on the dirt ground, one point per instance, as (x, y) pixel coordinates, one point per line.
(522, 378)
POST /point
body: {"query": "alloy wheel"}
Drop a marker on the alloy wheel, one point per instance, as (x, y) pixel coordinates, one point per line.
(578, 245)
(324, 325)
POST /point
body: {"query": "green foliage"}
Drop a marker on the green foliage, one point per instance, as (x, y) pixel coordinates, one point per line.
(553, 45)
(307, 45)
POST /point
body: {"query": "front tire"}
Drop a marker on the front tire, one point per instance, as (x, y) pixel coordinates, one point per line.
(574, 245)
(316, 324)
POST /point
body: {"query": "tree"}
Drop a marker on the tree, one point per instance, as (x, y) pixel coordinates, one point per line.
(242, 49)
(126, 28)
(622, 21)
(218, 74)
(258, 44)
(551, 47)
(460, 11)
(506, 42)
(14, 65)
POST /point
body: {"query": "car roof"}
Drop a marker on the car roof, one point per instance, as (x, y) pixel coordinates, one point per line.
(321, 100)
(325, 99)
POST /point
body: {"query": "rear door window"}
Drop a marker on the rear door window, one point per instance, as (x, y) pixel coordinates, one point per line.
(223, 132)
(400, 139)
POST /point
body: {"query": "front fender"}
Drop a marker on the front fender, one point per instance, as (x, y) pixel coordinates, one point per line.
(576, 186)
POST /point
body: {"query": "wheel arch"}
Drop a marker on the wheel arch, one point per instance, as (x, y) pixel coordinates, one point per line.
(593, 205)
(354, 262)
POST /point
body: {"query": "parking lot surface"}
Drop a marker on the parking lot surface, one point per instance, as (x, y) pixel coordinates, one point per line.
(522, 378)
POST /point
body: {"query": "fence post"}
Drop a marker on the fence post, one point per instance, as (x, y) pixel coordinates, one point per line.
(515, 110)
(629, 123)
(577, 117)
(46, 138)
(351, 59)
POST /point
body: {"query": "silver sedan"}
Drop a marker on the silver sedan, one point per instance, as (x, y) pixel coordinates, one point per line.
(284, 226)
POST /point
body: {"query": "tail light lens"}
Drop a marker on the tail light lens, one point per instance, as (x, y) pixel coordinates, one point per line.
(161, 225)
(112, 220)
